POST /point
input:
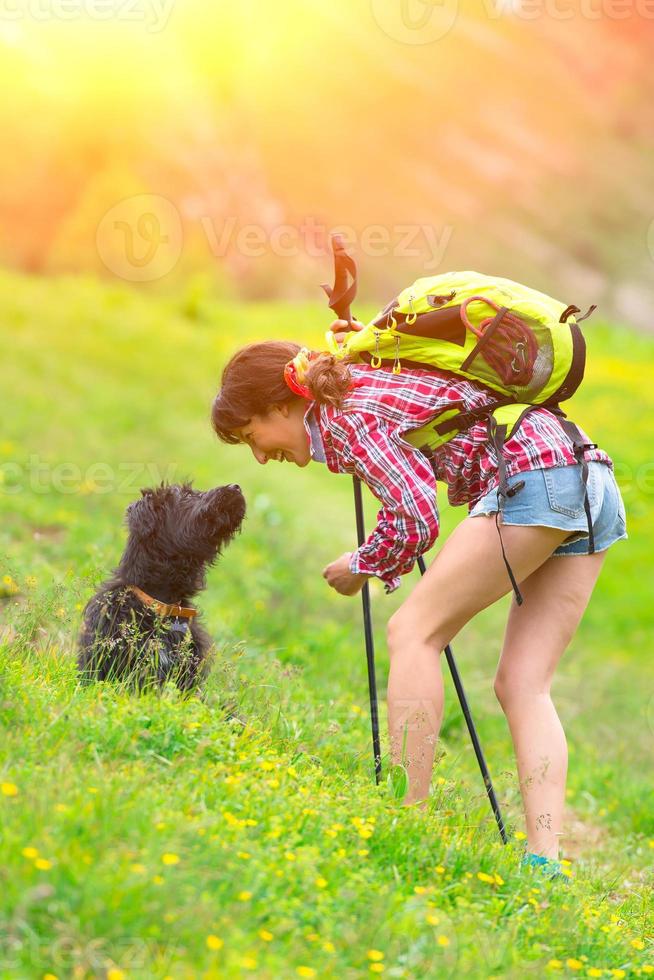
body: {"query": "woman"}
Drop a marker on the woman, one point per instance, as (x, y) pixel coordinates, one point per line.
(289, 404)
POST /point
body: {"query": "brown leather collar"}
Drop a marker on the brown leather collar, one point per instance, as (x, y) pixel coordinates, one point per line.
(163, 608)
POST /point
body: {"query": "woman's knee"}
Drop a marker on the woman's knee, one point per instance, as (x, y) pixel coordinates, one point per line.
(404, 633)
(513, 691)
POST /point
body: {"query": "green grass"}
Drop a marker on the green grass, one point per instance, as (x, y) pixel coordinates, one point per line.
(136, 828)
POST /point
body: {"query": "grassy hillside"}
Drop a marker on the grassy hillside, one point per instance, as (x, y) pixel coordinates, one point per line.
(152, 837)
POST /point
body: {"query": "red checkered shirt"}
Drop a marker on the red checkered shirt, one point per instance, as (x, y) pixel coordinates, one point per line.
(364, 438)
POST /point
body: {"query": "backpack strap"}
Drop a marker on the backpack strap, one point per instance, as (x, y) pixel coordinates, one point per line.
(497, 438)
(579, 448)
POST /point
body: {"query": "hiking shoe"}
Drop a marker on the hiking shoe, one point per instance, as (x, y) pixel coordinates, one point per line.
(548, 867)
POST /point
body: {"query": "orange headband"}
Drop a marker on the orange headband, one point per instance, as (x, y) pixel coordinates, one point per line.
(295, 371)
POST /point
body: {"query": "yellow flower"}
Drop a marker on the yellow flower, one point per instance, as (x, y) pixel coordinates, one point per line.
(170, 858)
(249, 963)
(9, 789)
(158, 880)
(420, 889)
(273, 783)
(618, 973)
(214, 942)
(114, 973)
(592, 971)
(266, 936)
(30, 852)
(267, 766)
(555, 964)
(499, 879)
(484, 877)
(139, 869)
(443, 941)
(377, 967)
(433, 920)
(573, 964)
(244, 855)
(321, 882)
(289, 855)
(43, 864)
(244, 896)
(520, 836)
(439, 869)
(30, 582)
(647, 968)
(305, 971)
(638, 944)
(375, 955)
(50, 976)
(329, 947)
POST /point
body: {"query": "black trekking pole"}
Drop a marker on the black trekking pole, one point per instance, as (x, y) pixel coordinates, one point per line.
(370, 645)
(340, 297)
(456, 677)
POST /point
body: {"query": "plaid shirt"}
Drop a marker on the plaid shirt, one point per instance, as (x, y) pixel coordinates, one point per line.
(364, 438)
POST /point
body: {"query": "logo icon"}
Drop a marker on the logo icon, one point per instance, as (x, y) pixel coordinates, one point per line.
(140, 238)
(415, 21)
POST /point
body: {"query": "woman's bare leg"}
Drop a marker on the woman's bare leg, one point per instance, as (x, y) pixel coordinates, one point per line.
(537, 634)
(467, 575)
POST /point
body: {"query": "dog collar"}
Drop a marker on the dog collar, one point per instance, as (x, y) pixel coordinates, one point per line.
(163, 608)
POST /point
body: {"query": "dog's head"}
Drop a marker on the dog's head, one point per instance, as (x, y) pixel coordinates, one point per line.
(175, 532)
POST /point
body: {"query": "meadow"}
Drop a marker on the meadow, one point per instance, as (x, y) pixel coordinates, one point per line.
(158, 837)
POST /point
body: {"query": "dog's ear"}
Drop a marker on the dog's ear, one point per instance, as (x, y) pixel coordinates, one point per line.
(143, 515)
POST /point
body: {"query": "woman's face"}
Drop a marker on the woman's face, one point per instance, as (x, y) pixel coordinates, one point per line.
(280, 434)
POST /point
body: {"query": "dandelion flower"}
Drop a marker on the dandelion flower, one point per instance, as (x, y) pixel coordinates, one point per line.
(305, 971)
(321, 882)
(377, 967)
(169, 858)
(244, 896)
(593, 972)
(443, 941)
(555, 964)
(375, 955)
(214, 942)
(9, 789)
(484, 877)
(432, 920)
(638, 944)
(30, 852)
(114, 973)
(266, 936)
(573, 964)
(43, 864)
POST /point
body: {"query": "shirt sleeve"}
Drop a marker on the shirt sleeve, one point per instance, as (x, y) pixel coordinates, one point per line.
(402, 479)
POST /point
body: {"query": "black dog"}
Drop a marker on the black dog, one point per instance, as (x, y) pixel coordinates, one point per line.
(139, 627)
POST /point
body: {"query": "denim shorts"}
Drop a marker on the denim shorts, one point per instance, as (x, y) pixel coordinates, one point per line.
(554, 497)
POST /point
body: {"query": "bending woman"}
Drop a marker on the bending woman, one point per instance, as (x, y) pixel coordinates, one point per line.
(353, 417)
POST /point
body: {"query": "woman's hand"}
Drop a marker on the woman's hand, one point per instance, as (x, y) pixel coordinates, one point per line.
(340, 577)
(341, 328)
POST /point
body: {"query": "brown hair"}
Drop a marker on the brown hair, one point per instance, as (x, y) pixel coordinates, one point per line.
(253, 381)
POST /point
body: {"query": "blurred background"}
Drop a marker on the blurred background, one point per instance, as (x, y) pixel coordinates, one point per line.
(168, 141)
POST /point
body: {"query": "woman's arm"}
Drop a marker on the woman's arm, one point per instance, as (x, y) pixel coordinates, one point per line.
(402, 479)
